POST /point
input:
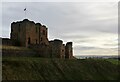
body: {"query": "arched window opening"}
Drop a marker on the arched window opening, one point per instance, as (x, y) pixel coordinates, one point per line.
(29, 40)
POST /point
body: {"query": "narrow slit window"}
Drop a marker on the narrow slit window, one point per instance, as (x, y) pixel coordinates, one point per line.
(19, 28)
(36, 29)
(36, 41)
(43, 32)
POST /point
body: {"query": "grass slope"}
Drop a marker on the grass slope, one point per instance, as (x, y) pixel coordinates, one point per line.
(23, 68)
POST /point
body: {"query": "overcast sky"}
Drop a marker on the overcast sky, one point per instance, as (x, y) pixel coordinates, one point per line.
(91, 26)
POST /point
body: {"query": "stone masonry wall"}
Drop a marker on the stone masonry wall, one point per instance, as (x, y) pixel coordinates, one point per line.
(68, 50)
(18, 33)
(41, 50)
(28, 32)
(57, 49)
(34, 35)
(6, 41)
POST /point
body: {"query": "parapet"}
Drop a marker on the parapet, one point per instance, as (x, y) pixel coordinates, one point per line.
(57, 41)
(69, 43)
(25, 20)
(44, 26)
(38, 24)
(28, 21)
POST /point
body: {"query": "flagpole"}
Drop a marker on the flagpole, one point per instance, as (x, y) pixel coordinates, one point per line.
(25, 10)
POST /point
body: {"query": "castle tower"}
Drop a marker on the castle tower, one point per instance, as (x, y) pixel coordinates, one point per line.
(34, 35)
(57, 49)
(28, 32)
(68, 50)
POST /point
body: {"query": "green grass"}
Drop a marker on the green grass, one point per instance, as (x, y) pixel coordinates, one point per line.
(34, 68)
(114, 61)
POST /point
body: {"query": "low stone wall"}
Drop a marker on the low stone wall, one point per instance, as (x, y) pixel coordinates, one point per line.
(6, 41)
(18, 53)
(41, 50)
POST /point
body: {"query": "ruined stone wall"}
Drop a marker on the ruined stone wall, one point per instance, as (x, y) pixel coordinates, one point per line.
(28, 32)
(34, 35)
(41, 50)
(37, 28)
(43, 35)
(68, 50)
(31, 33)
(51, 43)
(6, 41)
(63, 51)
(19, 53)
(18, 32)
(57, 49)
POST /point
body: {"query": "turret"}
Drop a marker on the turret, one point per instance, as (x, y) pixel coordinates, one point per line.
(68, 50)
(57, 48)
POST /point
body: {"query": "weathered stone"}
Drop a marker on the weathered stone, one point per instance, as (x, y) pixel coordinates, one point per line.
(68, 50)
(34, 35)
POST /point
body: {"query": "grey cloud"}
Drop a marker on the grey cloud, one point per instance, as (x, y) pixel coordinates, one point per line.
(62, 19)
(111, 44)
(95, 51)
(83, 48)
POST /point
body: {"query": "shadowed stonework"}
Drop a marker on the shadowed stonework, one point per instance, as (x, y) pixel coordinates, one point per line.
(33, 35)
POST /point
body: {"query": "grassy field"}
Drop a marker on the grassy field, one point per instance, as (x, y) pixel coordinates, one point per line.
(114, 61)
(33, 68)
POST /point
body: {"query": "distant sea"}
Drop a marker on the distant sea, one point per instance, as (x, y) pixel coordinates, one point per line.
(97, 56)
